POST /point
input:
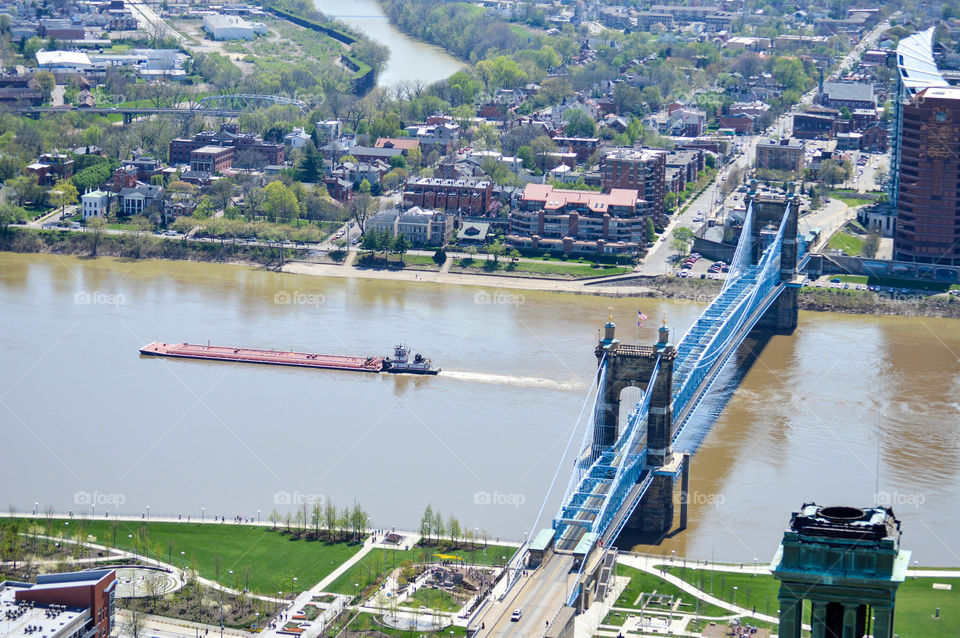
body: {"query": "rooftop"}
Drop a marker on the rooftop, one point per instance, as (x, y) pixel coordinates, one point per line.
(918, 70)
(849, 91)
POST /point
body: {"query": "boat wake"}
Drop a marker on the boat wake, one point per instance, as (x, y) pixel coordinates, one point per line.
(506, 379)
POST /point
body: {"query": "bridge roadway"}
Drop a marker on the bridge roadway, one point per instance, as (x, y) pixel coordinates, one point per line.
(540, 595)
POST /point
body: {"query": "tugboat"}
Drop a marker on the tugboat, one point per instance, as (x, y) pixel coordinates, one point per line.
(401, 363)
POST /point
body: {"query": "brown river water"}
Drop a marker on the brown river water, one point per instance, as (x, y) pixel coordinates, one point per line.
(847, 410)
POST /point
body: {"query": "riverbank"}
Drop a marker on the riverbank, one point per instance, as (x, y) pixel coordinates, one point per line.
(696, 291)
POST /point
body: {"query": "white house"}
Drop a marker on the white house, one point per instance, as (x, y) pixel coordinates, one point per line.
(95, 204)
(297, 139)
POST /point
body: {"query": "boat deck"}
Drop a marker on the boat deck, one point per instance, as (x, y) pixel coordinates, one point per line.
(269, 357)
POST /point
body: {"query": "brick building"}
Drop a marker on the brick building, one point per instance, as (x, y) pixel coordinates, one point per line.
(640, 170)
(212, 159)
(68, 605)
(780, 155)
(579, 221)
(468, 196)
(249, 149)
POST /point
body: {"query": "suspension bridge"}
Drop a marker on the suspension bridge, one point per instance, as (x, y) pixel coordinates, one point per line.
(624, 475)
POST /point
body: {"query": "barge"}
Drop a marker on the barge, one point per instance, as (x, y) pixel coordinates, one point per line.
(400, 363)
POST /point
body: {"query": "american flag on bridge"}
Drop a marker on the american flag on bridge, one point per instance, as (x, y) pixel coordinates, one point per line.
(641, 318)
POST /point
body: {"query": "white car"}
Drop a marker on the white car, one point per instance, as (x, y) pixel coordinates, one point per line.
(516, 615)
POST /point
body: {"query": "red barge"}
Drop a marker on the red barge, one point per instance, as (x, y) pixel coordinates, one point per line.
(398, 364)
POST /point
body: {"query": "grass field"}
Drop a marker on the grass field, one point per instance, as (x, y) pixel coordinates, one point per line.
(550, 269)
(419, 262)
(846, 242)
(917, 600)
(369, 623)
(642, 582)
(273, 558)
(434, 599)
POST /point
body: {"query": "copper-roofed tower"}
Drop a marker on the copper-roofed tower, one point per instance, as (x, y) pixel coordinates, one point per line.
(848, 563)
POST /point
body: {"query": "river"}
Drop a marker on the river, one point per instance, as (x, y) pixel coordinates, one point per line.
(86, 420)
(410, 59)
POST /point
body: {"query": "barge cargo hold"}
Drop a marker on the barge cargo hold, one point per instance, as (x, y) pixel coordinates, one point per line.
(399, 364)
(267, 357)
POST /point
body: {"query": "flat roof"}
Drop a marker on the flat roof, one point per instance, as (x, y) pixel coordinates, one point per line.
(587, 541)
(915, 63)
(212, 149)
(542, 540)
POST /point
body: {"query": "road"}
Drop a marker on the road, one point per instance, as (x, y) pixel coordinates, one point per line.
(151, 22)
(539, 596)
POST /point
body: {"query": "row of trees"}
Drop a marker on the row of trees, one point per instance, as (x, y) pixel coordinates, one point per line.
(434, 529)
(322, 519)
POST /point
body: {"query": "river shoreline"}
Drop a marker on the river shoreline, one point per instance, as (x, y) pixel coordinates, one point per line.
(696, 291)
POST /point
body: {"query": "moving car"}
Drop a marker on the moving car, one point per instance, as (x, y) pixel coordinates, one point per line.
(516, 615)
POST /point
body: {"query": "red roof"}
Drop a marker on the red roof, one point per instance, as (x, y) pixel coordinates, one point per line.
(555, 199)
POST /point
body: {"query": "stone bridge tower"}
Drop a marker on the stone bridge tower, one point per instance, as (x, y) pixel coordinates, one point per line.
(768, 212)
(631, 365)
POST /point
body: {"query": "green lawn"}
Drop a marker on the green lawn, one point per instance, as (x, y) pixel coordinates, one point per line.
(549, 269)
(853, 201)
(751, 590)
(273, 558)
(369, 623)
(846, 242)
(917, 600)
(434, 599)
(643, 582)
(420, 262)
(852, 279)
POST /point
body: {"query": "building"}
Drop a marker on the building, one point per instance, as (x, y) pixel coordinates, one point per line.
(421, 227)
(51, 168)
(640, 170)
(250, 151)
(405, 144)
(372, 154)
(925, 166)
(69, 605)
(579, 221)
(462, 195)
(741, 123)
(221, 27)
(212, 159)
(584, 147)
(780, 155)
(134, 200)
(847, 562)
(297, 138)
(95, 204)
(851, 95)
(817, 123)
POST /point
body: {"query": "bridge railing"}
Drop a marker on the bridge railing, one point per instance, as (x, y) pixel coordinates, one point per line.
(630, 462)
(741, 308)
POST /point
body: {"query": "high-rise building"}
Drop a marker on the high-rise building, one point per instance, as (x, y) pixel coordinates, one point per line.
(925, 165)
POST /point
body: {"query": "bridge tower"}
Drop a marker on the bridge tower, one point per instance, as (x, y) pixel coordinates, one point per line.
(768, 212)
(632, 366)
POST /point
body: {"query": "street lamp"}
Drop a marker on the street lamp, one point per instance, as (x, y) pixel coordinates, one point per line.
(148, 512)
(36, 507)
(202, 514)
(294, 586)
(258, 517)
(735, 588)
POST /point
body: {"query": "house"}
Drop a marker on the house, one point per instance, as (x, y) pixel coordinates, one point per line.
(421, 227)
(95, 204)
(134, 200)
(404, 144)
(297, 138)
(471, 196)
(51, 168)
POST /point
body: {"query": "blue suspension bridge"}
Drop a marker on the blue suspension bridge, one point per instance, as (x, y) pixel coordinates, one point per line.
(624, 475)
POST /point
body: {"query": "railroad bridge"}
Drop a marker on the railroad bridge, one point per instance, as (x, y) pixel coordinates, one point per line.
(626, 472)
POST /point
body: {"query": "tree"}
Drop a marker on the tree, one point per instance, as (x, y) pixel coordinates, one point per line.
(682, 237)
(142, 224)
(10, 214)
(330, 519)
(626, 98)
(540, 147)
(526, 156)
(426, 522)
(310, 166)
(45, 82)
(361, 206)
(63, 194)
(221, 193)
(579, 123)
(96, 224)
(280, 202)
(400, 244)
(453, 527)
